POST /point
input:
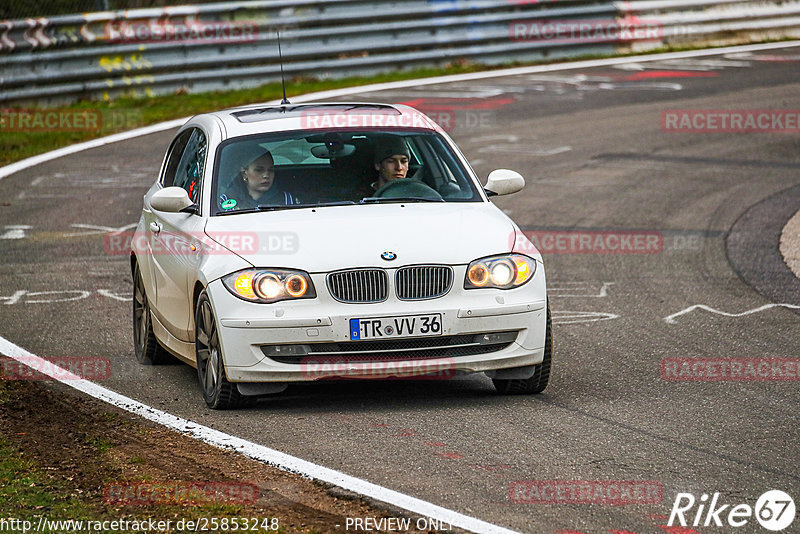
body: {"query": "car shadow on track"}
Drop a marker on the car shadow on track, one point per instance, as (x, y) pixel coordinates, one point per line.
(345, 395)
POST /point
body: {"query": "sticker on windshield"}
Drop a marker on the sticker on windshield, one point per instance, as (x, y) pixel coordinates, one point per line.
(229, 204)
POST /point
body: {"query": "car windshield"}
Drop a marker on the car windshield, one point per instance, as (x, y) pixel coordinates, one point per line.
(301, 169)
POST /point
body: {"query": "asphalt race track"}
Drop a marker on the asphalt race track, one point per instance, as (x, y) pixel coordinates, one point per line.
(598, 161)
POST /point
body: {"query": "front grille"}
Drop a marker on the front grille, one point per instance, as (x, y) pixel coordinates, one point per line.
(359, 285)
(399, 349)
(423, 282)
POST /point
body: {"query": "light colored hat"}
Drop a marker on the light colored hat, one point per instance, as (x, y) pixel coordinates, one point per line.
(244, 153)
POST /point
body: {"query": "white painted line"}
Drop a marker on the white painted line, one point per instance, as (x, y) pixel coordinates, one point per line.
(575, 317)
(15, 231)
(94, 143)
(670, 319)
(249, 449)
(335, 93)
(558, 290)
(108, 293)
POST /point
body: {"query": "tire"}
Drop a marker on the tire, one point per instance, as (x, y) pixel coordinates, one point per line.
(218, 393)
(145, 345)
(541, 375)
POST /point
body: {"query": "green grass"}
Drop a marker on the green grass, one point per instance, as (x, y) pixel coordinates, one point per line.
(101, 444)
(29, 492)
(26, 492)
(128, 113)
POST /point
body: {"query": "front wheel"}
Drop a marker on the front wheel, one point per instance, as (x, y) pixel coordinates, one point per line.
(145, 344)
(541, 374)
(218, 393)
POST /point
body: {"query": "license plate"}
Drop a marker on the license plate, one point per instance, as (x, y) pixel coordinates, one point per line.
(391, 327)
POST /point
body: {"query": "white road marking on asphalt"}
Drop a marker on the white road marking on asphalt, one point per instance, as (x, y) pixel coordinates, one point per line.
(335, 93)
(15, 231)
(13, 299)
(670, 319)
(764, 57)
(636, 86)
(685, 64)
(509, 144)
(109, 294)
(67, 295)
(249, 449)
(581, 82)
(80, 295)
(506, 149)
(575, 317)
(24, 194)
(584, 287)
(95, 229)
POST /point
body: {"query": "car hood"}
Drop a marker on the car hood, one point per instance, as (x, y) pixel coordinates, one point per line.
(339, 237)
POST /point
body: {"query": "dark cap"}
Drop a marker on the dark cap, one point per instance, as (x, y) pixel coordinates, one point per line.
(390, 145)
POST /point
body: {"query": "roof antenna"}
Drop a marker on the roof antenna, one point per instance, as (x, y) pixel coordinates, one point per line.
(283, 81)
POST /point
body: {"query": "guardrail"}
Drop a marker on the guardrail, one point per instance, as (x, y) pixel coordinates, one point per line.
(232, 45)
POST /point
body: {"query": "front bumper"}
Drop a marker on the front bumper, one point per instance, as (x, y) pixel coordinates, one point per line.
(245, 327)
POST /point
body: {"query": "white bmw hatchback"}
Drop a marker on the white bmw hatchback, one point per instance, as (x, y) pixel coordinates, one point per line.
(304, 242)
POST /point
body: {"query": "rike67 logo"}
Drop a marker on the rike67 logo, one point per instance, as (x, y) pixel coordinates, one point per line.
(774, 510)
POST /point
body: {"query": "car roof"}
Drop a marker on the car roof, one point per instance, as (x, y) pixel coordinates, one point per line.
(265, 118)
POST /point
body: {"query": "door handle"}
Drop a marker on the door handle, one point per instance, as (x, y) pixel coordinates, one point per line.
(155, 227)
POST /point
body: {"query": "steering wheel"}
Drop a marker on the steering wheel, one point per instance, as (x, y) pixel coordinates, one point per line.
(406, 187)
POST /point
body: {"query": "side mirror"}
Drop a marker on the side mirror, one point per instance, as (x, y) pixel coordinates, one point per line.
(503, 182)
(172, 200)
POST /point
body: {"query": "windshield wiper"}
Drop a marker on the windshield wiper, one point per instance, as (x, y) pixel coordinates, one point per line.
(313, 205)
(387, 200)
(270, 207)
(231, 212)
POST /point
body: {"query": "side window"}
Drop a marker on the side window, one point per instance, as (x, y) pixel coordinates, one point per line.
(189, 170)
(174, 157)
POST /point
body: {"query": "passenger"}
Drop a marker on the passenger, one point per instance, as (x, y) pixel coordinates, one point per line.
(254, 184)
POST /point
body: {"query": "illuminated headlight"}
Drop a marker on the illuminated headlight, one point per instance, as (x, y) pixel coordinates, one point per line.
(500, 272)
(270, 285)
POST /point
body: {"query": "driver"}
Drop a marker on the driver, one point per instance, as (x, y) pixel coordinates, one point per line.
(391, 159)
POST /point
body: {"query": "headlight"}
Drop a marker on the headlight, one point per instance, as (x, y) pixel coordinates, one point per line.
(500, 272)
(270, 285)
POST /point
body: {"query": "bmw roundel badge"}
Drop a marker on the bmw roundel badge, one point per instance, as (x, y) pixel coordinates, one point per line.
(389, 256)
